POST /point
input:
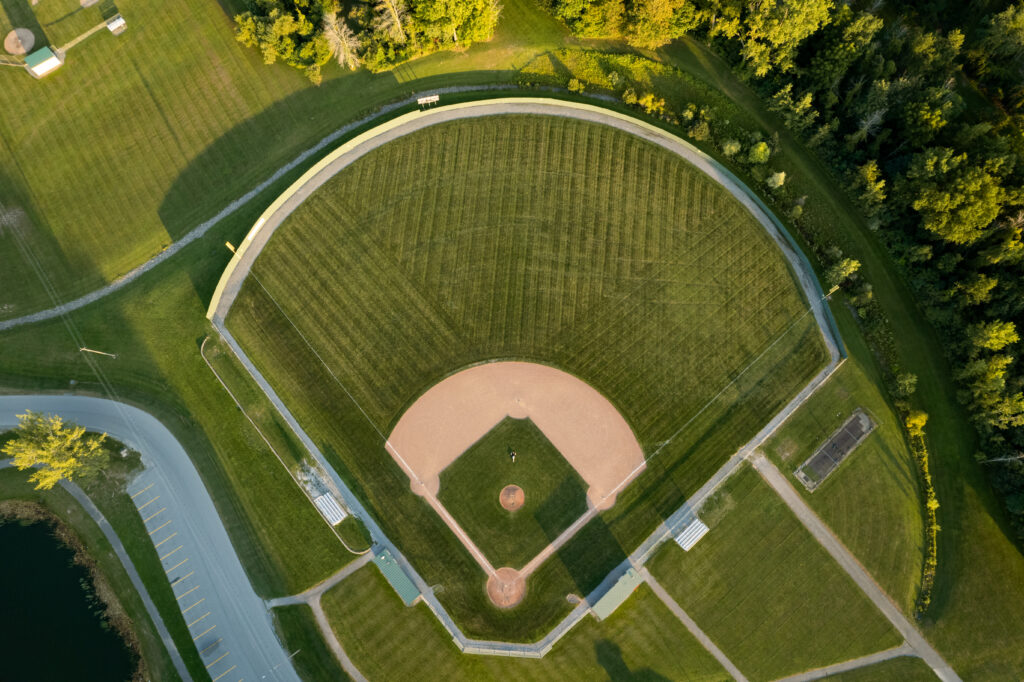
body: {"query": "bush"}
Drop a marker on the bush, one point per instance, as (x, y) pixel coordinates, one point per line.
(575, 85)
(759, 153)
(776, 180)
(731, 147)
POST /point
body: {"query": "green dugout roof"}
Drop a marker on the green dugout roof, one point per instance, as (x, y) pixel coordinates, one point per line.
(39, 56)
(619, 593)
(397, 578)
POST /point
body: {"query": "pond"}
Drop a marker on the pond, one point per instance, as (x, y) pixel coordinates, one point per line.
(51, 625)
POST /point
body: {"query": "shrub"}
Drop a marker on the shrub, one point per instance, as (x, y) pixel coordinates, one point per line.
(776, 180)
(759, 153)
(731, 147)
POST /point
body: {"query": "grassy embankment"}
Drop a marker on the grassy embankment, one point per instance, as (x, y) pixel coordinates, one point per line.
(385, 640)
(554, 494)
(628, 300)
(765, 591)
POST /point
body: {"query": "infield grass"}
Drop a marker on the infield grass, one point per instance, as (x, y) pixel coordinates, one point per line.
(385, 640)
(520, 237)
(554, 494)
(765, 591)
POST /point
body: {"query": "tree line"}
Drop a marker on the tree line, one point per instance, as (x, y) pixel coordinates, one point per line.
(307, 34)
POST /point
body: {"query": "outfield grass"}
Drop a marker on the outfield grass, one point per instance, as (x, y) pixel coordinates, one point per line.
(497, 243)
(14, 485)
(313, 660)
(765, 591)
(385, 640)
(880, 475)
(555, 495)
(142, 136)
(904, 669)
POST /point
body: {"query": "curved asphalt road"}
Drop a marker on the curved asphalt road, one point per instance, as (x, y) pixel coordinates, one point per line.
(229, 622)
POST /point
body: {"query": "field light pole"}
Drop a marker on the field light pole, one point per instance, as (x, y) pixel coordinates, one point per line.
(98, 352)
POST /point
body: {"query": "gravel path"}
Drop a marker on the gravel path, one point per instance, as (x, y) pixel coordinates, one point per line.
(228, 621)
(862, 662)
(849, 563)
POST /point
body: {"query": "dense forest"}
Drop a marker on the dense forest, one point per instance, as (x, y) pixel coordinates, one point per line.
(917, 107)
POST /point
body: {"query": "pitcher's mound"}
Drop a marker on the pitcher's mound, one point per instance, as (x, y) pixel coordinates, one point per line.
(506, 588)
(512, 497)
(19, 41)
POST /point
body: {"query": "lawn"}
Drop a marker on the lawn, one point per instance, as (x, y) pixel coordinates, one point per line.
(14, 485)
(515, 237)
(904, 669)
(313, 660)
(140, 137)
(555, 495)
(880, 475)
(765, 591)
(385, 640)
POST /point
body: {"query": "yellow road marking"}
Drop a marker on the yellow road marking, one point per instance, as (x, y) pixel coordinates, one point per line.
(178, 580)
(156, 529)
(176, 565)
(224, 673)
(142, 491)
(198, 619)
(154, 515)
(204, 632)
(149, 503)
(165, 539)
(210, 665)
(187, 593)
(219, 640)
(193, 606)
(171, 552)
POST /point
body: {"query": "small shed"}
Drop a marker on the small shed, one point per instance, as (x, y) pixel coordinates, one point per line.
(619, 593)
(396, 577)
(691, 533)
(43, 61)
(116, 24)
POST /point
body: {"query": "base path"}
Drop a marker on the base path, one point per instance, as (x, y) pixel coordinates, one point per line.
(228, 621)
(771, 474)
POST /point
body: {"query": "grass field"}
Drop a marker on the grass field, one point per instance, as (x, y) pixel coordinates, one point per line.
(555, 495)
(904, 669)
(301, 637)
(880, 475)
(765, 591)
(385, 640)
(14, 485)
(141, 137)
(497, 243)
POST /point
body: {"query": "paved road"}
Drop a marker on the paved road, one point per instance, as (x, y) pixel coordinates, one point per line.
(691, 625)
(849, 563)
(93, 511)
(230, 624)
(864, 661)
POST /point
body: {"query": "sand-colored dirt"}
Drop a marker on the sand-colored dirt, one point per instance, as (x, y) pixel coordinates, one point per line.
(506, 588)
(512, 497)
(19, 41)
(579, 421)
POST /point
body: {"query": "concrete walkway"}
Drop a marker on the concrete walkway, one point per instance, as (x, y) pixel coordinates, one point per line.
(862, 662)
(849, 563)
(691, 625)
(129, 567)
(229, 623)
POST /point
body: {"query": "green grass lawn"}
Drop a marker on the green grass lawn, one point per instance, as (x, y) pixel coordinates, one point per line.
(497, 243)
(880, 475)
(140, 137)
(555, 495)
(301, 636)
(904, 669)
(765, 591)
(385, 640)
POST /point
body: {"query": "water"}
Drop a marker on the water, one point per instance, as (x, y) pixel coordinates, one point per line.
(50, 627)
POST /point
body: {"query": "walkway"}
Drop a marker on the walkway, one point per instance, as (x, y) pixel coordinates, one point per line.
(862, 662)
(227, 620)
(93, 511)
(849, 563)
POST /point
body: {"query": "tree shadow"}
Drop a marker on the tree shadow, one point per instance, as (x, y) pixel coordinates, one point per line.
(566, 503)
(591, 555)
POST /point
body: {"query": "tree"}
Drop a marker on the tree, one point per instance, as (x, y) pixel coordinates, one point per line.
(776, 180)
(773, 30)
(289, 31)
(798, 114)
(389, 19)
(870, 184)
(957, 200)
(592, 18)
(652, 23)
(994, 335)
(759, 153)
(342, 41)
(841, 271)
(731, 147)
(915, 422)
(845, 41)
(459, 22)
(60, 451)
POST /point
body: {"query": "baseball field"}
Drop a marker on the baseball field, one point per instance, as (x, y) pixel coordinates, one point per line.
(533, 238)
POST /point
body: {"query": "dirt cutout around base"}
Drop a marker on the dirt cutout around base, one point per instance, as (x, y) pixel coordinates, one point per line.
(512, 497)
(19, 41)
(456, 412)
(506, 588)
